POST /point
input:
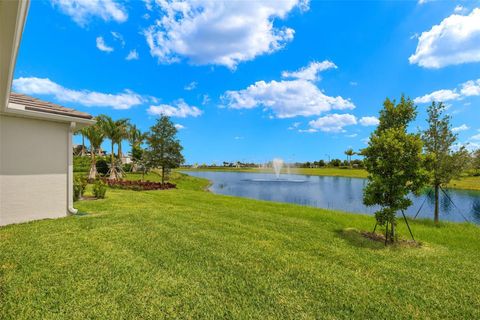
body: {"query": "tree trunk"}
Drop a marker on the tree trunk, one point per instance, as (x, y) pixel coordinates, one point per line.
(113, 170)
(83, 145)
(93, 166)
(436, 214)
(163, 174)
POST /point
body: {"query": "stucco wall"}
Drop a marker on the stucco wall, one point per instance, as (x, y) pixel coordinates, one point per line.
(33, 169)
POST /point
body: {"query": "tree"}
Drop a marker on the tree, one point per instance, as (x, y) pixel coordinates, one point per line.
(393, 160)
(82, 133)
(115, 131)
(95, 135)
(164, 149)
(136, 138)
(476, 162)
(349, 153)
(442, 162)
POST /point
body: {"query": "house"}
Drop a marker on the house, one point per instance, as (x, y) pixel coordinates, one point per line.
(36, 171)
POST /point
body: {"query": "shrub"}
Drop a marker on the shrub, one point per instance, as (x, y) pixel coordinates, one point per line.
(81, 164)
(79, 184)
(127, 167)
(102, 166)
(99, 189)
(139, 185)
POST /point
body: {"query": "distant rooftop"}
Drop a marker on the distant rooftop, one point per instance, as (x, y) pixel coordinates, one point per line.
(34, 104)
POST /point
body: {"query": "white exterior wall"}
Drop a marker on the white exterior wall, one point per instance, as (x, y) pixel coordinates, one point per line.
(33, 169)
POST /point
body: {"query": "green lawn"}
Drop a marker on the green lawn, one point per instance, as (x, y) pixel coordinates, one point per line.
(467, 182)
(187, 253)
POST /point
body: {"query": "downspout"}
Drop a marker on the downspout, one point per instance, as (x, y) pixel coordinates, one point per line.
(70, 208)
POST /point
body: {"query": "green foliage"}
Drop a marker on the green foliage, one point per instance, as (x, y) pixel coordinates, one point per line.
(81, 164)
(102, 166)
(394, 161)
(127, 167)
(79, 184)
(95, 135)
(99, 189)
(476, 162)
(164, 149)
(442, 163)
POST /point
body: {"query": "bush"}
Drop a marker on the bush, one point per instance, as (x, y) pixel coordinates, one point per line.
(139, 185)
(79, 184)
(127, 167)
(102, 166)
(99, 189)
(81, 164)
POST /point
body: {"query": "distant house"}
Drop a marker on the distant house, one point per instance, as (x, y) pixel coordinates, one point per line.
(36, 176)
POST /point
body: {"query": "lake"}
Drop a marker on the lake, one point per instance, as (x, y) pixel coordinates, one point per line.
(337, 193)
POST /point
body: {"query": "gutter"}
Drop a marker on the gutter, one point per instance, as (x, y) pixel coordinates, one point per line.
(70, 208)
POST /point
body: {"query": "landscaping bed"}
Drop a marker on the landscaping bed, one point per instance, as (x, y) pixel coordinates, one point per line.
(139, 185)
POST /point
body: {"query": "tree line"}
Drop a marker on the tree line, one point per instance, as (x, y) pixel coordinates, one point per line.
(157, 148)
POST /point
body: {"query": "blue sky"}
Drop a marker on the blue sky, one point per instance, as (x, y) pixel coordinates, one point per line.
(250, 81)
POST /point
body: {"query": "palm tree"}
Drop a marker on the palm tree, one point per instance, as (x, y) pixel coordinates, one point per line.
(123, 127)
(115, 131)
(95, 135)
(136, 138)
(349, 152)
(82, 133)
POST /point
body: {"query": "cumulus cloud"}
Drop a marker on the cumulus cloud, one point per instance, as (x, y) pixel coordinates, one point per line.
(219, 32)
(463, 127)
(82, 11)
(475, 137)
(311, 71)
(179, 109)
(191, 86)
(455, 40)
(369, 121)
(286, 98)
(102, 46)
(333, 122)
(132, 55)
(178, 126)
(44, 86)
(467, 89)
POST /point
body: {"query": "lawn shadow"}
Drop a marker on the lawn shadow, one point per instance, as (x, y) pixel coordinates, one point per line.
(357, 239)
(374, 241)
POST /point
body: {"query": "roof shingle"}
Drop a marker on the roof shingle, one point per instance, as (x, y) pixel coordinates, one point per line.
(34, 104)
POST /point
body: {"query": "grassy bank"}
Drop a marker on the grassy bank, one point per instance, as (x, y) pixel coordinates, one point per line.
(466, 183)
(186, 253)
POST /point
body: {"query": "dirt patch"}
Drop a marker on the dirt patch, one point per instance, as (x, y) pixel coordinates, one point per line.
(378, 237)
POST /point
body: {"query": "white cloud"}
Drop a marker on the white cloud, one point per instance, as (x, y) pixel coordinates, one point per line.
(132, 55)
(463, 127)
(353, 83)
(475, 137)
(455, 40)
(118, 37)
(178, 109)
(333, 122)
(439, 95)
(286, 98)
(238, 138)
(205, 99)
(460, 9)
(44, 86)
(353, 135)
(369, 121)
(294, 125)
(102, 46)
(219, 32)
(311, 71)
(191, 86)
(310, 130)
(471, 88)
(467, 89)
(178, 126)
(82, 11)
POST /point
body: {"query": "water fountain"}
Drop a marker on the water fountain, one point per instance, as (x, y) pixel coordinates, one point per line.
(277, 164)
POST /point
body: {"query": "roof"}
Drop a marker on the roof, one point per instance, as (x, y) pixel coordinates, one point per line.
(34, 104)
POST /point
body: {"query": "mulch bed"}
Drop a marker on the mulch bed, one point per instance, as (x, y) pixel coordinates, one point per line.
(139, 185)
(378, 237)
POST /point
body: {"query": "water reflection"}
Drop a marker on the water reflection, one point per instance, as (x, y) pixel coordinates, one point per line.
(337, 193)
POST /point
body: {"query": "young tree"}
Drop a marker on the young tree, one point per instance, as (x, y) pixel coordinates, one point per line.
(349, 153)
(95, 135)
(393, 160)
(442, 163)
(164, 149)
(136, 138)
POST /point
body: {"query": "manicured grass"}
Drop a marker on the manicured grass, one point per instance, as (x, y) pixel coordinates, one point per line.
(467, 182)
(187, 253)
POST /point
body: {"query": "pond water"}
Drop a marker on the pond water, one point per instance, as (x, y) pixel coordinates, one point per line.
(336, 193)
